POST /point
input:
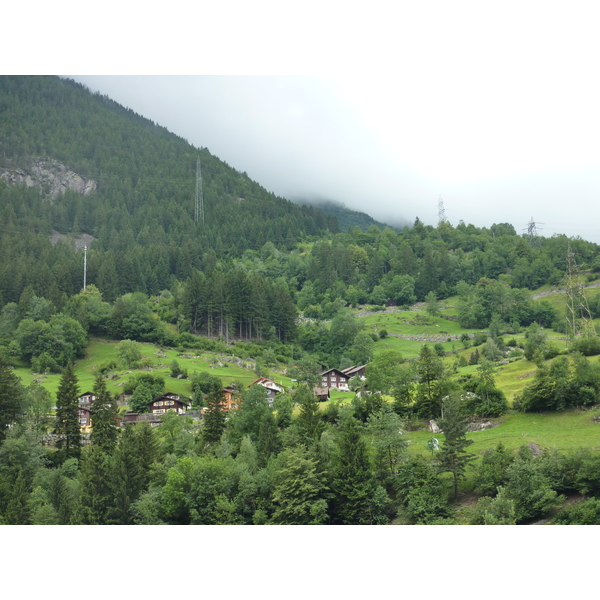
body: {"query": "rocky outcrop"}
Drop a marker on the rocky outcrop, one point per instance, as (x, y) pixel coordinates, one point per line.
(432, 426)
(49, 175)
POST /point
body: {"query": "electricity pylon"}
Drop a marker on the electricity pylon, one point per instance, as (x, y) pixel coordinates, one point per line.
(441, 212)
(532, 232)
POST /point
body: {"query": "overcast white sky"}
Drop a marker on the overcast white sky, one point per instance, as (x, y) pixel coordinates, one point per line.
(495, 109)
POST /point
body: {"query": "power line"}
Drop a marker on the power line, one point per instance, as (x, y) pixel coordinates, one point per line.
(199, 212)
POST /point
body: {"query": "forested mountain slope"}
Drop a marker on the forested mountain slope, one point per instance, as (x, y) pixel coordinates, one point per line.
(101, 170)
(347, 218)
(140, 204)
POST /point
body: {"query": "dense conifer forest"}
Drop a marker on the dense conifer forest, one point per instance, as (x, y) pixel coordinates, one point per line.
(264, 287)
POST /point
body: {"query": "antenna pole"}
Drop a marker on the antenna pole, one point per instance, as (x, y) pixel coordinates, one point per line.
(84, 265)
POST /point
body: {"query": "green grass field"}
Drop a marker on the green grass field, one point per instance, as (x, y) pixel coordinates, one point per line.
(564, 431)
(102, 351)
(413, 323)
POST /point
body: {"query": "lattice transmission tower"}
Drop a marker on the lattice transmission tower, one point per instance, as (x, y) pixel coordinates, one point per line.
(579, 317)
(532, 232)
(441, 212)
(199, 212)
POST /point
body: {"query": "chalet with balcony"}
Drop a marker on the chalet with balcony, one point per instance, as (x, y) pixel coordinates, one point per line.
(169, 402)
(334, 378)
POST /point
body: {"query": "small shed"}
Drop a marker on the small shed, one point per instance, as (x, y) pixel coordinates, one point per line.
(322, 394)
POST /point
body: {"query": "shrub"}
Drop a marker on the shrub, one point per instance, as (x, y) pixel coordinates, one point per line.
(494, 511)
(439, 349)
(175, 369)
(129, 352)
(45, 363)
(582, 513)
(479, 339)
(487, 403)
(422, 492)
(588, 346)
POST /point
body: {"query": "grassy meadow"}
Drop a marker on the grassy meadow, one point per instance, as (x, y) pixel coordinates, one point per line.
(100, 352)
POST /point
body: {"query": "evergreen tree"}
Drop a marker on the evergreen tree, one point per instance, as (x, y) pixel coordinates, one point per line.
(353, 482)
(60, 497)
(422, 492)
(453, 456)
(104, 417)
(148, 448)
(67, 415)
(95, 495)
(17, 510)
(386, 428)
(430, 371)
(492, 471)
(127, 476)
(308, 423)
(298, 495)
(11, 398)
(269, 442)
(214, 417)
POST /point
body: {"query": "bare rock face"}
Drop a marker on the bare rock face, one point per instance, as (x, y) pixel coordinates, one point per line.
(48, 174)
(433, 427)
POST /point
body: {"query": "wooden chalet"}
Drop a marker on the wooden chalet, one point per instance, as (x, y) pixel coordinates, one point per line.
(322, 394)
(169, 402)
(272, 388)
(230, 399)
(334, 378)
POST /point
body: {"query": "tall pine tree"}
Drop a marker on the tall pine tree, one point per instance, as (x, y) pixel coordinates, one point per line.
(104, 417)
(353, 482)
(127, 476)
(67, 415)
(11, 398)
(95, 496)
(214, 417)
(453, 456)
